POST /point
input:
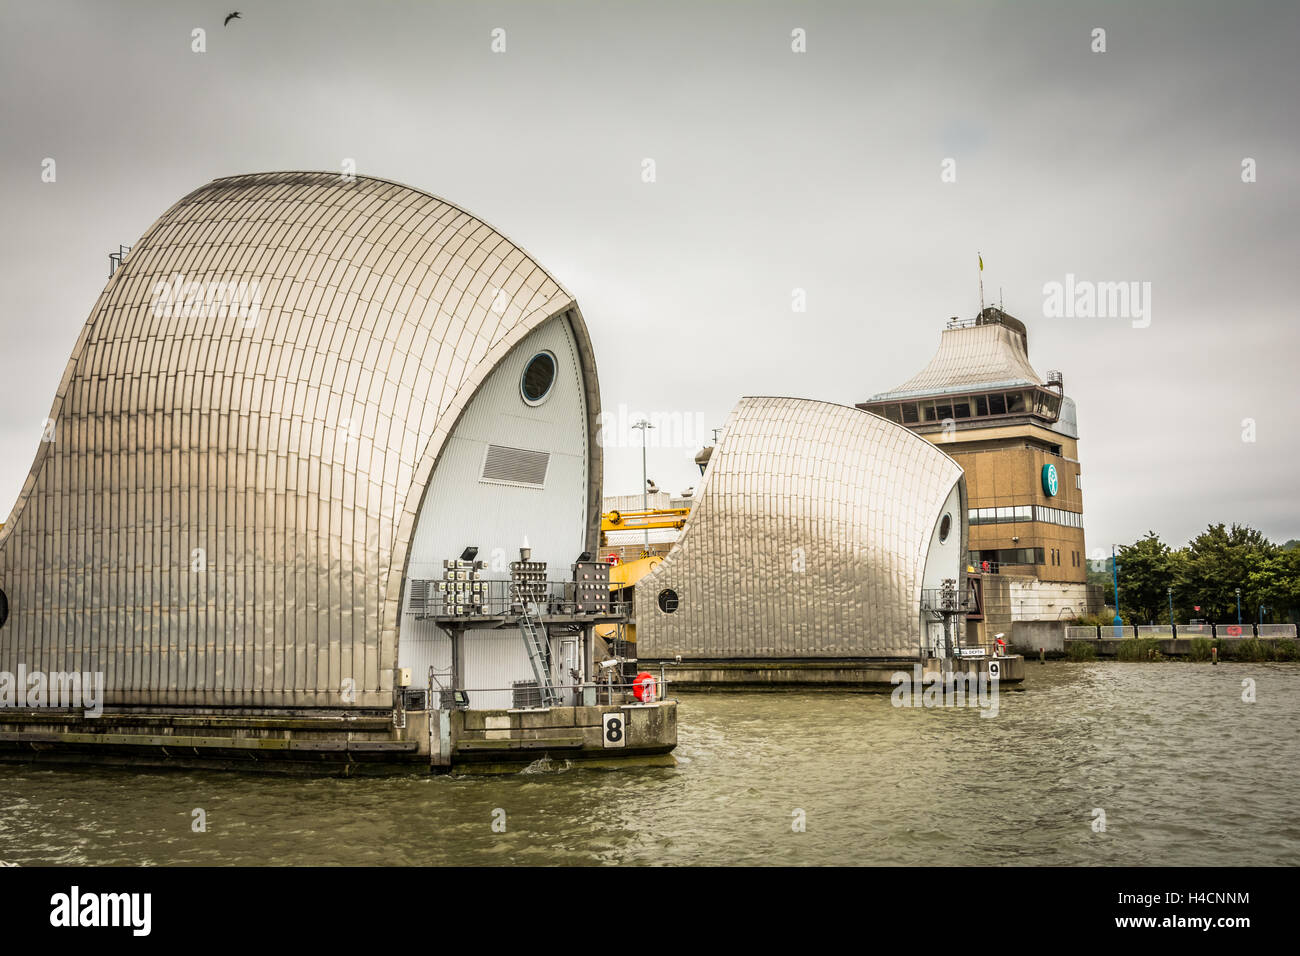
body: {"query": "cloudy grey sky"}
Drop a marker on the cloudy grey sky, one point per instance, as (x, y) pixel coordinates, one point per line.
(775, 171)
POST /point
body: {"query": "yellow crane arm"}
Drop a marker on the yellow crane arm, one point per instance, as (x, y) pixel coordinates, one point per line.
(639, 520)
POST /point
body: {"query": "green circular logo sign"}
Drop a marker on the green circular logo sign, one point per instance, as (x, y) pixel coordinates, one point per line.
(1050, 481)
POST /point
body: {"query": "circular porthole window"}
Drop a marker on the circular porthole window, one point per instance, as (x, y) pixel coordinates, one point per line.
(538, 377)
(944, 527)
(4, 609)
(668, 600)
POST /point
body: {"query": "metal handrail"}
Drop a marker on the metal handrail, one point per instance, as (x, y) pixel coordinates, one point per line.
(608, 690)
(496, 598)
(592, 683)
(956, 600)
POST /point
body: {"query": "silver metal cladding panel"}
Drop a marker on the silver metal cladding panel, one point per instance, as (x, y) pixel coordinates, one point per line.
(293, 449)
(971, 357)
(809, 539)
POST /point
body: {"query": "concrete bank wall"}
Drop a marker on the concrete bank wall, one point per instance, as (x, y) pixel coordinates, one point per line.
(1028, 637)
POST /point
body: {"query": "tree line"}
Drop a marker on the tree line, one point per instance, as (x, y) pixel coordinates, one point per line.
(1207, 573)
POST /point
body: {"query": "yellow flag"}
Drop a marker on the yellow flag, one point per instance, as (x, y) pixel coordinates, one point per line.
(981, 258)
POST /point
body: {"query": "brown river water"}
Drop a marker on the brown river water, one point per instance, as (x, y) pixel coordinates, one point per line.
(1186, 772)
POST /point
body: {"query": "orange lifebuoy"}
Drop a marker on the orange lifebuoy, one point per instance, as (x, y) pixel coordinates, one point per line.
(645, 688)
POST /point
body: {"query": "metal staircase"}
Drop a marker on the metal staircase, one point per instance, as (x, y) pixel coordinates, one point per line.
(535, 644)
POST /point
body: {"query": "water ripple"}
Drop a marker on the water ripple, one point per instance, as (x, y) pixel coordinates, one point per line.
(1184, 770)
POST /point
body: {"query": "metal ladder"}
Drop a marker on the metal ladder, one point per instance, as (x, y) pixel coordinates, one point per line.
(536, 647)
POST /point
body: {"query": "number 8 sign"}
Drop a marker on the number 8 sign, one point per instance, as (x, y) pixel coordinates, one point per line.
(614, 732)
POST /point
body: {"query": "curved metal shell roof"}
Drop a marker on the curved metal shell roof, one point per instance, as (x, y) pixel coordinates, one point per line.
(979, 356)
(292, 449)
(808, 539)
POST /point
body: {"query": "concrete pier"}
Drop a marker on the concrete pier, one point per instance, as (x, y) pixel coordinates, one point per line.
(868, 676)
(495, 741)
(457, 741)
(330, 745)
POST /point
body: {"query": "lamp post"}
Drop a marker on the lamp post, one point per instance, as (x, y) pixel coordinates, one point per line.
(642, 424)
(1114, 575)
(1238, 590)
(1171, 609)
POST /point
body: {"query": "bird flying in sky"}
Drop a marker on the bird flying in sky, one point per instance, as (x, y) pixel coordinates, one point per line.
(231, 16)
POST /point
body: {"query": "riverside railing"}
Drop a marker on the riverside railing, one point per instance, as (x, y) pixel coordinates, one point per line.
(1155, 630)
(1077, 632)
(1164, 631)
(1275, 630)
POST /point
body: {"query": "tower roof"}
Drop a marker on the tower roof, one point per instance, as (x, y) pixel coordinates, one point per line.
(991, 351)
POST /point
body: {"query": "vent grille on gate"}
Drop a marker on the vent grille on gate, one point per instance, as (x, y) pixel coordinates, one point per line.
(515, 466)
